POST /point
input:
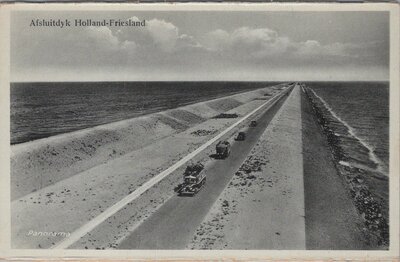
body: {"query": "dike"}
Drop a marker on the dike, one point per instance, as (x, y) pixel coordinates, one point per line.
(43, 162)
(368, 188)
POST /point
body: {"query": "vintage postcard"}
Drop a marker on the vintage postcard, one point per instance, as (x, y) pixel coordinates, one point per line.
(237, 131)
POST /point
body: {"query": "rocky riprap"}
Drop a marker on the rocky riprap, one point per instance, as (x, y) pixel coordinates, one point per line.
(372, 208)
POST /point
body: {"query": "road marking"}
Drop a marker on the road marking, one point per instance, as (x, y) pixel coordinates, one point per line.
(90, 225)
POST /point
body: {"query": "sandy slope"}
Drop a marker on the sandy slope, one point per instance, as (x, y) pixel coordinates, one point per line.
(69, 203)
(263, 206)
(43, 162)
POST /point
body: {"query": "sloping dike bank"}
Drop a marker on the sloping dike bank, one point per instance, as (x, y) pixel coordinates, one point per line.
(367, 186)
(144, 149)
(40, 163)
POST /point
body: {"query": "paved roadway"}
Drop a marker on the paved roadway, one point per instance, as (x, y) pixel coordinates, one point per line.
(173, 225)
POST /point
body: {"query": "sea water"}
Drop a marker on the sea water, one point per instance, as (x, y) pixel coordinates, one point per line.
(363, 108)
(41, 110)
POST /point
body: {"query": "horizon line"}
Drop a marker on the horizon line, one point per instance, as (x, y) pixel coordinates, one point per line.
(191, 81)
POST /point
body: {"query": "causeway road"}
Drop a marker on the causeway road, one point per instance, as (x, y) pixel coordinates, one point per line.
(173, 225)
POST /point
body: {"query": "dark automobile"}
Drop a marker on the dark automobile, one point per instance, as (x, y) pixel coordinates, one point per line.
(241, 136)
(223, 149)
(253, 124)
(193, 180)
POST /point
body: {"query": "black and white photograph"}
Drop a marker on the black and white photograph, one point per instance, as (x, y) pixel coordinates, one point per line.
(214, 129)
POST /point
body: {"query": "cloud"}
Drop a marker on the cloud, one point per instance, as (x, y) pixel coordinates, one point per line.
(157, 36)
(100, 36)
(258, 41)
(261, 43)
(85, 46)
(314, 48)
(164, 34)
(161, 47)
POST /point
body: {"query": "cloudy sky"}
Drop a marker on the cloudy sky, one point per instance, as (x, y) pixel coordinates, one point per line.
(247, 46)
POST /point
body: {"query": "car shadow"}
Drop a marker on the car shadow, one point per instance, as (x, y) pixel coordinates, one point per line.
(215, 156)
